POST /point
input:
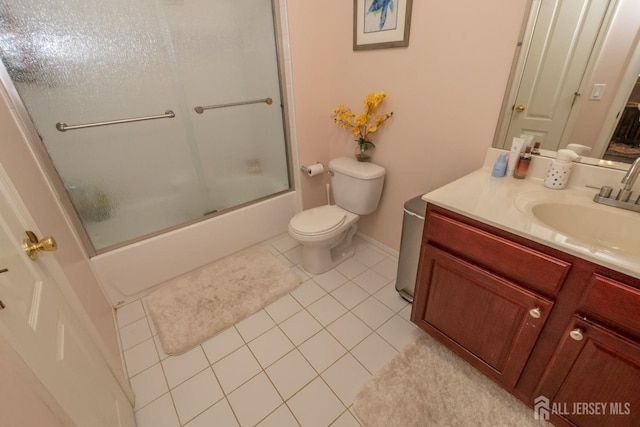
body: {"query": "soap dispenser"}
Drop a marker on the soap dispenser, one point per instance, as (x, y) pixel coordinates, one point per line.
(578, 149)
(560, 169)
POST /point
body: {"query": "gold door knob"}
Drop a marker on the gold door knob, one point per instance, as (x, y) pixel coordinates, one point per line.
(576, 334)
(32, 245)
(520, 108)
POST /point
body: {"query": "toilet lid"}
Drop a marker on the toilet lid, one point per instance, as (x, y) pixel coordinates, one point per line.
(318, 220)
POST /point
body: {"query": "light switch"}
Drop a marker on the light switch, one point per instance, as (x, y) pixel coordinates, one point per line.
(597, 92)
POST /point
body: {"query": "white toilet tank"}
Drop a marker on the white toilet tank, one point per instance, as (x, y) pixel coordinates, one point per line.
(357, 186)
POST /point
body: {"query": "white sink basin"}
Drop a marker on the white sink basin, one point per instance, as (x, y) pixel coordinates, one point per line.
(601, 228)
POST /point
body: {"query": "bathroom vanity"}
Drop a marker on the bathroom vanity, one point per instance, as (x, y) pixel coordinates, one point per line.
(542, 311)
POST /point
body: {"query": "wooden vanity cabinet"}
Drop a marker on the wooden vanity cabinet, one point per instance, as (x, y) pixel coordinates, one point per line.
(486, 297)
(487, 319)
(536, 320)
(593, 379)
(598, 359)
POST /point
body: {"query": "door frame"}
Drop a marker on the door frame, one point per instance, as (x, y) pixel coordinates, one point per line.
(518, 67)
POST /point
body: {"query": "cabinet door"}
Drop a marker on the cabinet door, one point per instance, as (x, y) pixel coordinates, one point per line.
(593, 378)
(488, 320)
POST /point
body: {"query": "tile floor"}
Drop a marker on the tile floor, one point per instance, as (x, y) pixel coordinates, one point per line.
(298, 362)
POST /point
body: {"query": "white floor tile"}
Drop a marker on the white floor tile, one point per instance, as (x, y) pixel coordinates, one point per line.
(300, 327)
(290, 374)
(294, 255)
(387, 268)
(326, 310)
(141, 357)
(399, 333)
(219, 415)
(283, 308)
(301, 273)
(316, 405)
(255, 325)
(236, 368)
(254, 400)
(285, 260)
(405, 313)
(349, 330)
(159, 349)
(285, 244)
(159, 413)
(351, 268)
(281, 417)
(149, 385)
(374, 352)
(372, 312)
(391, 298)
(196, 394)
(350, 295)
(222, 344)
(270, 346)
(346, 420)
(321, 350)
(308, 292)
(369, 255)
(279, 362)
(330, 280)
(180, 368)
(354, 414)
(134, 333)
(130, 313)
(370, 281)
(346, 377)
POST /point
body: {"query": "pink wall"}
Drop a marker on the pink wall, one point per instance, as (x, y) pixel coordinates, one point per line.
(445, 89)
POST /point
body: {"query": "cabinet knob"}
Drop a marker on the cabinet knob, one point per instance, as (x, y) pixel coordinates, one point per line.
(576, 334)
(535, 313)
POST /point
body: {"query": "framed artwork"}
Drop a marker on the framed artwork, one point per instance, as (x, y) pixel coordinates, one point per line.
(379, 24)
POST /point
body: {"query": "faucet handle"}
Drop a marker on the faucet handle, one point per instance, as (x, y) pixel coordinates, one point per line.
(605, 191)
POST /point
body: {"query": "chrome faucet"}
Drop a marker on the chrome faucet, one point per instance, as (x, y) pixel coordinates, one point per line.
(630, 177)
(622, 199)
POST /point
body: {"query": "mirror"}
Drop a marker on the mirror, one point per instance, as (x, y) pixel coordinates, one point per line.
(572, 80)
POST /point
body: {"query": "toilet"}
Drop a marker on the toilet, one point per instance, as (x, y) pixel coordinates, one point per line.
(325, 232)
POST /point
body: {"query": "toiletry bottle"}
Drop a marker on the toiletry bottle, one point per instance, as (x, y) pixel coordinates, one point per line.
(523, 164)
(560, 169)
(500, 166)
(514, 155)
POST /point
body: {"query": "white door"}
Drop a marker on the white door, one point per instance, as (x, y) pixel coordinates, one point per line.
(40, 325)
(562, 41)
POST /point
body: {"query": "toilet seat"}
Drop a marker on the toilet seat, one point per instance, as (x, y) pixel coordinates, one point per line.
(316, 221)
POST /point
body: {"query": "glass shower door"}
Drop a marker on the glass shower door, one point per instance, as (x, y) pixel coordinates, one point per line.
(85, 62)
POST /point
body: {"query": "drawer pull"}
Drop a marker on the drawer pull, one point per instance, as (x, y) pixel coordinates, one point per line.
(535, 313)
(576, 334)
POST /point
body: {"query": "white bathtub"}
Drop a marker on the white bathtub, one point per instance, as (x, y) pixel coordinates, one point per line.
(132, 271)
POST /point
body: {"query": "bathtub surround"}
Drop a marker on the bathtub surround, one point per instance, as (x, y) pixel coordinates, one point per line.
(427, 384)
(195, 307)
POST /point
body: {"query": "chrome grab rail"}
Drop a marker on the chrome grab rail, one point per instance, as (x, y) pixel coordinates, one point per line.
(199, 109)
(63, 127)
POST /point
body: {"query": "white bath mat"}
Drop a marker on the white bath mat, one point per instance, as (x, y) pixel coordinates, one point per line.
(428, 385)
(194, 307)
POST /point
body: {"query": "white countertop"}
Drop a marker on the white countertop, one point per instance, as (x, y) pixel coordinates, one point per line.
(493, 201)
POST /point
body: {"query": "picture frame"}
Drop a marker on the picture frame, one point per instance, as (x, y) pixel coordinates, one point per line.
(381, 24)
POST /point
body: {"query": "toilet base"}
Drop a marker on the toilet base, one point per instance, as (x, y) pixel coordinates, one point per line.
(318, 260)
